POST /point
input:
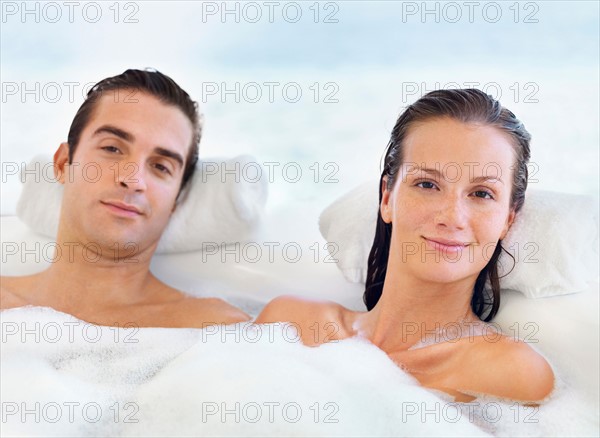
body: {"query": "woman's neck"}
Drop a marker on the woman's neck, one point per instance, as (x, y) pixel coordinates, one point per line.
(411, 310)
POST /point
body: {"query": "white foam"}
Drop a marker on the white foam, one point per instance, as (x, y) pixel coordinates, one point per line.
(346, 388)
(238, 380)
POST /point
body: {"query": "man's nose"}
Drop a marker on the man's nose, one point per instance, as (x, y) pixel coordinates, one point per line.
(132, 176)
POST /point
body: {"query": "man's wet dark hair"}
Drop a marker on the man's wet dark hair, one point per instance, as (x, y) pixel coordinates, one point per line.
(147, 81)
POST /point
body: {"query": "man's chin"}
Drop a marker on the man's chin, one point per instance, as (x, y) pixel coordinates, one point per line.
(119, 247)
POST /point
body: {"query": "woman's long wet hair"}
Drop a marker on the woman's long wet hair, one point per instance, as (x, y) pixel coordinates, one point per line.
(467, 106)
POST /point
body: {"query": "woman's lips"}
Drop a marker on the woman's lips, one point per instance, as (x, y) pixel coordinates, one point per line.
(446, 245)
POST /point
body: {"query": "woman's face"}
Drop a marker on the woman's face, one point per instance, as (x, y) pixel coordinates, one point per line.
(450, 203)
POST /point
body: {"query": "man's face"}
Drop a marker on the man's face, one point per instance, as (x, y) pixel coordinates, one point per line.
(126, 172)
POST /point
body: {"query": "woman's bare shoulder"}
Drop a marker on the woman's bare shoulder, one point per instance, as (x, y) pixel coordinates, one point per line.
(317, 321)
(507, 368)
(290, 308)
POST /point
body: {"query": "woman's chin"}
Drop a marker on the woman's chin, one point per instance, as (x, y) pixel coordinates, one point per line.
(444, 272)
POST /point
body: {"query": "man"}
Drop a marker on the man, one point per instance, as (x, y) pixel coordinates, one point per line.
(132, 148)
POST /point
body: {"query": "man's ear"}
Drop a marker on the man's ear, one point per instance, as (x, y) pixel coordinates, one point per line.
(386, 200)
(181, 196)
(61, 159)
(509, 222)
(177, 201)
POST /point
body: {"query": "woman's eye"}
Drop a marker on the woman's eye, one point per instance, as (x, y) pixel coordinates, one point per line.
(482, 194)
(428, 184)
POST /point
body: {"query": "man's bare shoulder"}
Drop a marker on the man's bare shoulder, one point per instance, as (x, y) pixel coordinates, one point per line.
(13, 291)
(201, 312)
(174, 308)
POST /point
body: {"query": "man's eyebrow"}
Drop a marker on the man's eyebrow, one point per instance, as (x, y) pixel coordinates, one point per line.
(169, 154)
(118, 132)
(127, 136)
(478, 179)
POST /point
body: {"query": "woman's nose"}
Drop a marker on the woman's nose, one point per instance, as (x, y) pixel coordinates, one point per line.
(452, 213)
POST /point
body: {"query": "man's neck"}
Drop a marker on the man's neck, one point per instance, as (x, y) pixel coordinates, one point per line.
(84, 279)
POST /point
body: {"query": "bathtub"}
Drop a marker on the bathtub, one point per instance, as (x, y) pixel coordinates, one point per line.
(63, 377)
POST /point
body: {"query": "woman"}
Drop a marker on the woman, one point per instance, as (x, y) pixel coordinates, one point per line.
(454, 177)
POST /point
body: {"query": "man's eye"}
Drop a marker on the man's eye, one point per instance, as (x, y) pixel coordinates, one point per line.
(112, 149)
(162, 169)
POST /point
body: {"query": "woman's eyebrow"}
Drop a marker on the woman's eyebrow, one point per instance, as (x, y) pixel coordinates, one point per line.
(435, 172)
(483, 178)
(478, 179)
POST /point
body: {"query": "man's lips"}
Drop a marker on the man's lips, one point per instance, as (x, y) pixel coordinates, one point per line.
(121, 207)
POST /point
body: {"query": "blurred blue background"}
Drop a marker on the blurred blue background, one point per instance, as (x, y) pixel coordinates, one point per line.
(357, 65)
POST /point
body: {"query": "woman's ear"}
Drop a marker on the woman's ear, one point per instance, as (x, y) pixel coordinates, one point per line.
(61, 159)
(509, 222)
(386, 199)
